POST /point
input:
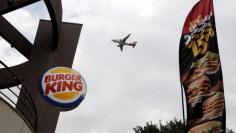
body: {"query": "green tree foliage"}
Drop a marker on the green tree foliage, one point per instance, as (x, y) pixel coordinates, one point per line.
(173, 126)
(230, 131)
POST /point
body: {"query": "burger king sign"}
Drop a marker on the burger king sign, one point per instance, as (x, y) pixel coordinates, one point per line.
(63, 87)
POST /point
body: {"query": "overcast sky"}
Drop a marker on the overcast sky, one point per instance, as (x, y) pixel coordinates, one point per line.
(130, 88)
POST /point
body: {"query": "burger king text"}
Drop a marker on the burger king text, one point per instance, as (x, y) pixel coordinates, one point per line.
(62, 82)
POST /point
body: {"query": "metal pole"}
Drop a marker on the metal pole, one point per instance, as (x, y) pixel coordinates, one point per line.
(182, 95)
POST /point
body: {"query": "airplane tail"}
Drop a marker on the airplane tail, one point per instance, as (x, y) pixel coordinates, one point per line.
(134, 44)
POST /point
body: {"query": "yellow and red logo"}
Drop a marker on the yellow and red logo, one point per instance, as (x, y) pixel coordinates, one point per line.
(63, 87)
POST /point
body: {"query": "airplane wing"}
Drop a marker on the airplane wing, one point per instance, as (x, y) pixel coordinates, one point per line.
(124, 39)
(121, 48)
(116, 41)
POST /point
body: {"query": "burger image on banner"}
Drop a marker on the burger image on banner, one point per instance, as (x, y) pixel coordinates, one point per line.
(209, 127)
(63, 87)
(213, 106)
(198, 89)
(199, 84)
(209, 64)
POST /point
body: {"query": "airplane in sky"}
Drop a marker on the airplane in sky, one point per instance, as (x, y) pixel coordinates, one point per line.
(122, 42)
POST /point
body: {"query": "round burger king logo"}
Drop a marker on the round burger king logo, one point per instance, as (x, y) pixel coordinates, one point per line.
(63, 87)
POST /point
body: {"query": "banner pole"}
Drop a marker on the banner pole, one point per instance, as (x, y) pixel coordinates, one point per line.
(182, 95)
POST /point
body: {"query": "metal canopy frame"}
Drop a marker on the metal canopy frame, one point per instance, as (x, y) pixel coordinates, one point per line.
(19, 41)
(54, 45)
(55, 11)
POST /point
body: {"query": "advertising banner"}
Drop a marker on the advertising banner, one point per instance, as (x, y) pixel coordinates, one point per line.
(200, 71)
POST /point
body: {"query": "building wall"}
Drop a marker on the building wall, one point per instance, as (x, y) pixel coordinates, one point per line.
(11, 121)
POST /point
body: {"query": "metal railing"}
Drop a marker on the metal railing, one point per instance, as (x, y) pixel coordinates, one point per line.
(11, 96)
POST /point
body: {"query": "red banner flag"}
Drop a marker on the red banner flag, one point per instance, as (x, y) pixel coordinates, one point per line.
(200, 71)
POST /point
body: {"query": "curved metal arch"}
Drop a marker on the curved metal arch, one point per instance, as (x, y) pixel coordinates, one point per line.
(54, 8)
(7, 6)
